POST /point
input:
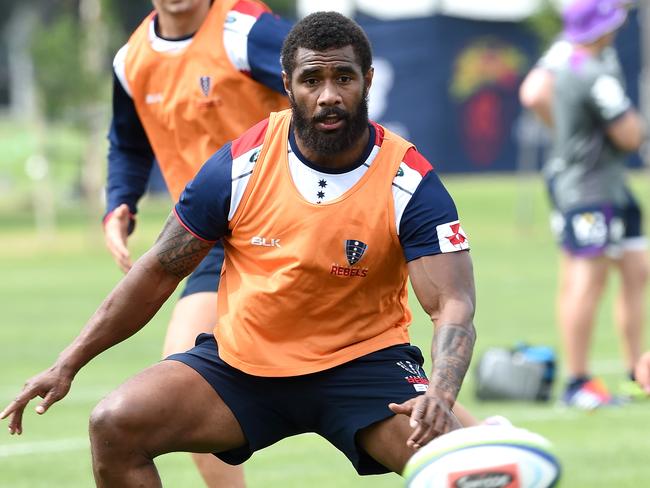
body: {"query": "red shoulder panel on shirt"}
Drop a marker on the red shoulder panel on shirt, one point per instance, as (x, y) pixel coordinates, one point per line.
(379, 133)
(414, 160)
(253, 9)
(253, 137)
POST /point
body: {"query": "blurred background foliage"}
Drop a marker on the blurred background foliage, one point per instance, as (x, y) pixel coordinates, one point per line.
(65, 84)
(546, 23)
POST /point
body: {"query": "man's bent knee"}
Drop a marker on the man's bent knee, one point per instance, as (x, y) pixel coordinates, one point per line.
(118, 450)
(112, 427)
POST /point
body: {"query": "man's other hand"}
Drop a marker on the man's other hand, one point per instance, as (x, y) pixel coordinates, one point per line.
(116, 232)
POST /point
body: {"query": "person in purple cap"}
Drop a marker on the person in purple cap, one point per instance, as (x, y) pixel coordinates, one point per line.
(579, 92)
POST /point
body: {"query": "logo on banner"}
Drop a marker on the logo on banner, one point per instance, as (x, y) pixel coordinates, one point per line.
(485, 80)
(484, 63)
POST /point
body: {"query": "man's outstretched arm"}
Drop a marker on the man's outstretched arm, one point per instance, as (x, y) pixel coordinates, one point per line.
(444, 286)
(128, 308)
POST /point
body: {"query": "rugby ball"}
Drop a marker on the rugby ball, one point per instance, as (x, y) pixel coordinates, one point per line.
(484, 456)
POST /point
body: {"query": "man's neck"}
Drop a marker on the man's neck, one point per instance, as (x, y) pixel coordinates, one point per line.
(179, 25)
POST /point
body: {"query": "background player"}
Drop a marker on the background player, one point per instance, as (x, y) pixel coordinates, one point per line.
(193, 75)
(585, 172)
(326, 348)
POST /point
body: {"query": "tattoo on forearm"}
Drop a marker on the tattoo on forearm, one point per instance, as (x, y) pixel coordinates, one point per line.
(452, 352)
(180, 252)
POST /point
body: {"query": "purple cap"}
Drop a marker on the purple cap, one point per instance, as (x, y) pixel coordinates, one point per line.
(586, 21)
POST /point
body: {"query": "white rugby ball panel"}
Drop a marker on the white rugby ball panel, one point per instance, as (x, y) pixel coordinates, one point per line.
(484, 457)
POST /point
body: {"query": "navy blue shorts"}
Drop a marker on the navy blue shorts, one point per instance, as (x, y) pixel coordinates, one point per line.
(335, 403)
(597, 230)
(207, 274)
(632, 218)
(592, 231)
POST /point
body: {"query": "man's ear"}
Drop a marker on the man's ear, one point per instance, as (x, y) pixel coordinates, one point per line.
(368, 79)
(286, 81)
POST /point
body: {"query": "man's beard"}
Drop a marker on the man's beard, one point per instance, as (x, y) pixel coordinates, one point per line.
(332, 142)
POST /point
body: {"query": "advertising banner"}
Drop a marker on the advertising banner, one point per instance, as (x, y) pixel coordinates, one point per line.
(451, 85)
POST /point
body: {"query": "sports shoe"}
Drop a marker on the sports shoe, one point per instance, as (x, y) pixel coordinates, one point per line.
(632, 391)
(589, 395)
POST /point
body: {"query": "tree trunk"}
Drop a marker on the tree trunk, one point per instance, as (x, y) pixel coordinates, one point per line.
(93, 57)
(22, 83)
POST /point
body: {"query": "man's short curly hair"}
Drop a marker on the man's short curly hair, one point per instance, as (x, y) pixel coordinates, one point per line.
(322, 31)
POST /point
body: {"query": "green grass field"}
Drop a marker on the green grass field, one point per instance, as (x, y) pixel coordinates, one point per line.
(50, 285)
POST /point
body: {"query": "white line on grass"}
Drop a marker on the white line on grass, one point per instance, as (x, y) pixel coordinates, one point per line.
(77, 395)
(24, 448)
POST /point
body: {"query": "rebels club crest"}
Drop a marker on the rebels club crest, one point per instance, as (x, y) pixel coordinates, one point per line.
(205, 82)
(354, 251)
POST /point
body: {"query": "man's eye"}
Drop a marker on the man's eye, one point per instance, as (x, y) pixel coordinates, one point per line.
(345, 79)
(311, 81)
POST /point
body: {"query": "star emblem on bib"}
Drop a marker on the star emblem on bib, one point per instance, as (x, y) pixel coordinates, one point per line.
(320, 194)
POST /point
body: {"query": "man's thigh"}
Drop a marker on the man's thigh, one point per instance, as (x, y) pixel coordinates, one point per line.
(385, 442)
(353, 400)
(169, 407)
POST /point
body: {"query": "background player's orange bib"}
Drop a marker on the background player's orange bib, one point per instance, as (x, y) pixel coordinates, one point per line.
(192, 103)
(305, 286)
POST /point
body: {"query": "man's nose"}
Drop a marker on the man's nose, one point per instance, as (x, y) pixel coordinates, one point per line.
(330, 95)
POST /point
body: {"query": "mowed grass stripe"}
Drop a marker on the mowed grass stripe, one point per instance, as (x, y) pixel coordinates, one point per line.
(59, 445)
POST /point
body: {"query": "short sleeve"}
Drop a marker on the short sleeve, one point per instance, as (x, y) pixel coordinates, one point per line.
(556, 56)
(426, 216)
(204, 205)
(253, 39)
(264, 47)
(607, 98)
